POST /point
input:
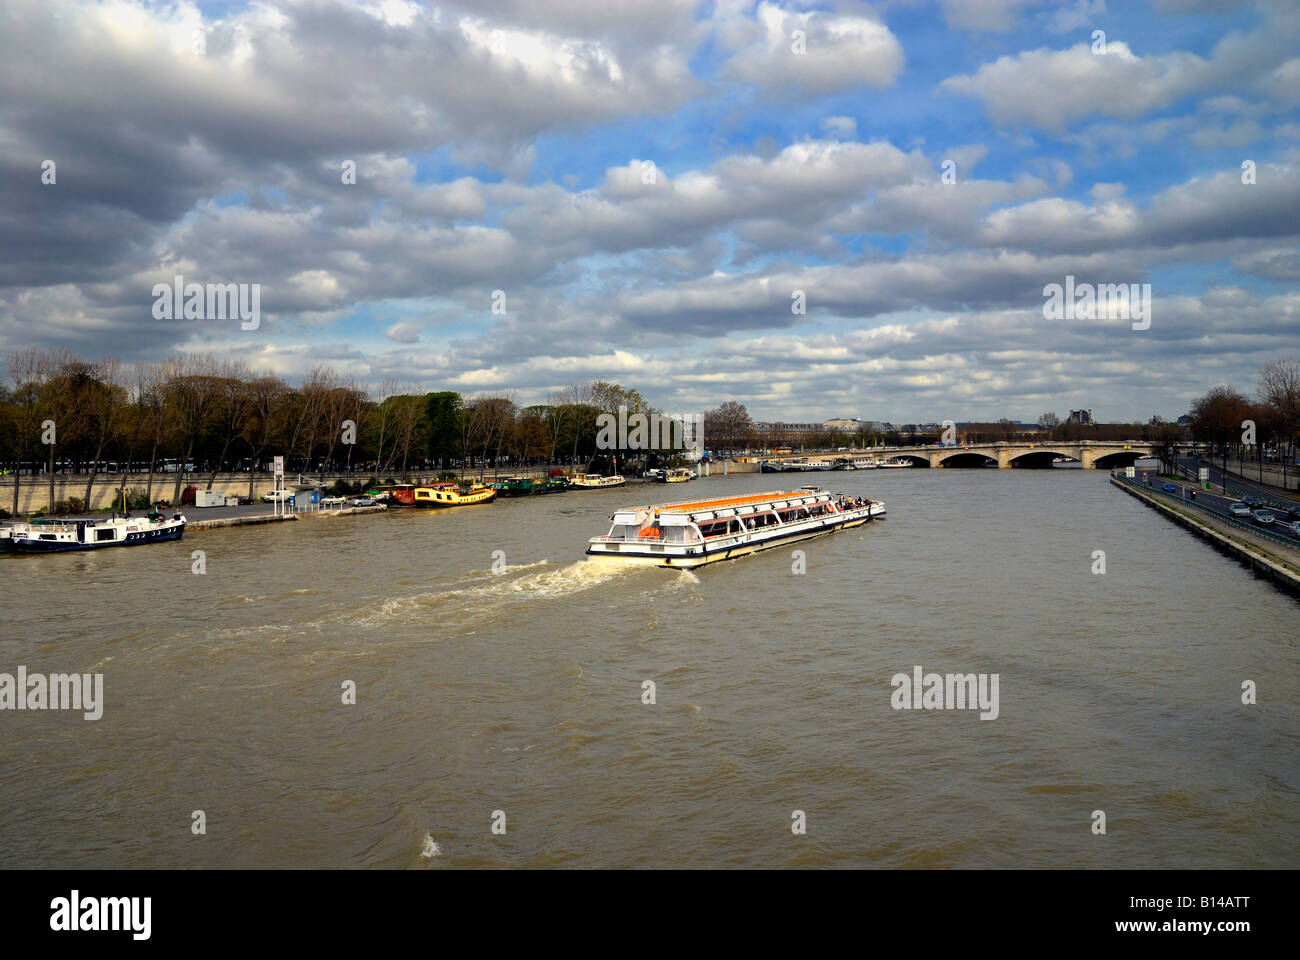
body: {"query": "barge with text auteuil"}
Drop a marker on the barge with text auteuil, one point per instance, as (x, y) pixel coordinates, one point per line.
(57, 536)
(696, 532)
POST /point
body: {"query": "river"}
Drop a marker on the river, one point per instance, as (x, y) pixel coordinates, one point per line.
(515, 698)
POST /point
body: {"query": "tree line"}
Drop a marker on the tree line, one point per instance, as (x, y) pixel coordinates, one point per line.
(62, 414)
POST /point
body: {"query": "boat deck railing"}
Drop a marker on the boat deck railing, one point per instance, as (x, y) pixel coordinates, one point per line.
(735, 534)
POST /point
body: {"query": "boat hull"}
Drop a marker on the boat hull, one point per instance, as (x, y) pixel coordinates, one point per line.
(135, 539)
(530, 490)
(458, 500)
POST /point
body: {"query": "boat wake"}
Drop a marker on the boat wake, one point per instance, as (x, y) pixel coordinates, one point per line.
(484, 599)
(481, 597)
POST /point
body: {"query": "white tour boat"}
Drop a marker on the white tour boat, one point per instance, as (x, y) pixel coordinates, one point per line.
(696, 532)
(93, 534)
(594, 481)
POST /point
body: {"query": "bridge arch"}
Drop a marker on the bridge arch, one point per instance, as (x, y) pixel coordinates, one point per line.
(916, 459)
(1038, 458)
(1120, 458)
(959, 459)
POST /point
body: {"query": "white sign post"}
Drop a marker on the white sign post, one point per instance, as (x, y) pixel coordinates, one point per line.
(276, 508)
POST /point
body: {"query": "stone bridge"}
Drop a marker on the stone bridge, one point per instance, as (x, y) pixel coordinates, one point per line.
(1090, 453)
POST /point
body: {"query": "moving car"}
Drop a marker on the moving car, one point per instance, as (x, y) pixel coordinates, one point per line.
(1169, 488)
(1265, 518)
(1252, 501)
(1239, 510)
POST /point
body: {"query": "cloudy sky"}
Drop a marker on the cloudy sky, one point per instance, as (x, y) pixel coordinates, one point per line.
(641, 186)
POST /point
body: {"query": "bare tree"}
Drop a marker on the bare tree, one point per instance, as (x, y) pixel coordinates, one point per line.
(1279, 389)
(101, 398)
(193, 389)
(728, 426)
(151, 388)
(406, 419)
(27, 369)
(266, 416)
(232, 404)
(383, 417)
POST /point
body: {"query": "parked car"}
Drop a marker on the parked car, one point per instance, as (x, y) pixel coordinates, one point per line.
(333, 501)
(1265, 518)
(362, 502)
(1252, 501)
(282, 496)
(1239, 510)
(1169, 488)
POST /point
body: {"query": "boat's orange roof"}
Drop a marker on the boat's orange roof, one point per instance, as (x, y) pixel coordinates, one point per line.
(721, 504)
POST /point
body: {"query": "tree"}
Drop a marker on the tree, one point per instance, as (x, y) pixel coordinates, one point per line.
(728, 426)
(382, 418)
(233, 402)
(408, 417)
(265, 423)
(444, 437)
(192, 391)
(1048, 422)
(487, 424)
(531, 438)
(1217, 417)
(1279, 391)
(101, 397)
(27, 369)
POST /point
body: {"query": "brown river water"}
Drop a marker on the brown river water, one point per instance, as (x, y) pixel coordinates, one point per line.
(521, 692)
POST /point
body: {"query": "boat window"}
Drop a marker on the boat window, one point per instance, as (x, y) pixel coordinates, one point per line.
(103, 534)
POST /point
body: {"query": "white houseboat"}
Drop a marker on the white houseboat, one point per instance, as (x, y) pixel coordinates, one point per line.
(696, 532)
(94, 534)
(594, 481)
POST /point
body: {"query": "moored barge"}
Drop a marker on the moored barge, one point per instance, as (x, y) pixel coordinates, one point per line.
(63, 535)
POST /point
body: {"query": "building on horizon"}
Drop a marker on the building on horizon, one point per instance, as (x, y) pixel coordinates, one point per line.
(845, 424)
(1080, 416)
